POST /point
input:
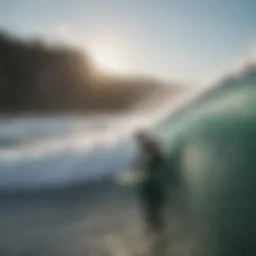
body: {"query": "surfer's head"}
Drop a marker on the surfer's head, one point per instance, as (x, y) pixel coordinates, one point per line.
(142, 136)
(148, 144)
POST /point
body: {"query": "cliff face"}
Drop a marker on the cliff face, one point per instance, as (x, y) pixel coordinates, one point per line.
(36, 77)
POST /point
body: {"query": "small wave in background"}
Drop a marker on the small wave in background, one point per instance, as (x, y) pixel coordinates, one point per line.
(54, 150)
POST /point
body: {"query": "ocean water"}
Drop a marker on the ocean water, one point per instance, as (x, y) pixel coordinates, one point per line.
(53, 197)
(52, 151)
(57, 198)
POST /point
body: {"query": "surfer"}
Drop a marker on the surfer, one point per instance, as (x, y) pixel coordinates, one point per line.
(151, 190)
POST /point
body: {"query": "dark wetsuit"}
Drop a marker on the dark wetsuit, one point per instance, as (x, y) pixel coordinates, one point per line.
(152, 192)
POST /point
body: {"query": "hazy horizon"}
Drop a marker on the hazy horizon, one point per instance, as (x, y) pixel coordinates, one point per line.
(174, 40)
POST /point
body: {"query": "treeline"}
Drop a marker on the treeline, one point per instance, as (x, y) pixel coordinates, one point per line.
(40, 77)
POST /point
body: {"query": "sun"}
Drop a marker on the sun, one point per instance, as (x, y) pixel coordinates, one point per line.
(108, 59)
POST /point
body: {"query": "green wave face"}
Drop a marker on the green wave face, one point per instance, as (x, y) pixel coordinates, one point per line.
(213, 210)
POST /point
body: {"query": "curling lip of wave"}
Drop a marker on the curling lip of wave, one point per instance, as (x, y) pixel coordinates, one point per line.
(193, 95)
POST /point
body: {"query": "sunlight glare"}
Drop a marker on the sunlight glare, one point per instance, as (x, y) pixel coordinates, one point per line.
(108, 59)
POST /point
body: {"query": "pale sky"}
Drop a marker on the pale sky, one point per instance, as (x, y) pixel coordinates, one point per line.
(184, 40)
